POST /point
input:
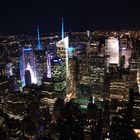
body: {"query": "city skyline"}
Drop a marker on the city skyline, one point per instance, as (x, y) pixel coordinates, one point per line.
(23, 16)
(72, 87)
(69, 70)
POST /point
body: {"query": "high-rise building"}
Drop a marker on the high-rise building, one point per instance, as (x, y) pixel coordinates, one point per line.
(62, 52)
(127, 54)
(133, 64)
(40, 59)
(27, 62)
(41, 64)
(133, 109)
(112, 50)
(134, 72)
(28, 77)
(58, 74)
(97, 70)
(119, 89)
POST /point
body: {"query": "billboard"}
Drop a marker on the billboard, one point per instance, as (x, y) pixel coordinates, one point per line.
(112, 50)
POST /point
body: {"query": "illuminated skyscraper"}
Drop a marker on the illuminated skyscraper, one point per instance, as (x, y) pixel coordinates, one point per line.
(62, 52)
(27, 63)
(112, 50)
(59, 75)
(41, 62)
(127, 54)
(40, 59)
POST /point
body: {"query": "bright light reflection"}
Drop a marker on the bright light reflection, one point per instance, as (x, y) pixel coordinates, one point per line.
(33, 78)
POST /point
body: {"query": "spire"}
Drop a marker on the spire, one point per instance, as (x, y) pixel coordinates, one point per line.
(39, 47)
(62, 35)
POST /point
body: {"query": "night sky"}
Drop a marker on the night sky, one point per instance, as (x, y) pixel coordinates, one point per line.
(22, 16)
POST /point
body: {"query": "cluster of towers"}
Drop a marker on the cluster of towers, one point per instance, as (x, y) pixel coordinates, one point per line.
(35, 63)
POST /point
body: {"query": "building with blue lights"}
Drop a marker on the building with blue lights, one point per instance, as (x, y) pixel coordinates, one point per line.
(65, 53)
(41, 64)
(39, 46)
(40, 59)
(62, 34)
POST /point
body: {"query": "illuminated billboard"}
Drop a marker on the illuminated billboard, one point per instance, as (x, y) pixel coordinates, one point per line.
(112, 50)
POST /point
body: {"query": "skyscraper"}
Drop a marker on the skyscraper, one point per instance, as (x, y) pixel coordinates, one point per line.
(28, 77)
(40, 62)
(62, 52)
(27, 63)
(97, 69)
(59, 74)
(112, 50)
(40, 59)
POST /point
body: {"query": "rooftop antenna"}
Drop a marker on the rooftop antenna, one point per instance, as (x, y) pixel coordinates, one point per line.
(62, 34)
(39, 47)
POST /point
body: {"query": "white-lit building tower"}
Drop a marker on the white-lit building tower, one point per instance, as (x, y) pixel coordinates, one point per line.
(62, 52)
(112, 50)
(27, 63)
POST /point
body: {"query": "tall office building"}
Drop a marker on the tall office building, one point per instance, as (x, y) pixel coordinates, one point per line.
(133, 64)
(125, 51)
(58, 74)
(41, 64)
(40, 59)
(97, 70)
(28, 77)
(119, 89)
(27, 63)
(127, 54)
(62, 52)
(134, 72)
(112, 50)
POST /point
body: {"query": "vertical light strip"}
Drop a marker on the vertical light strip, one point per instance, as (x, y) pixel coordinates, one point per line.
(62, 34)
